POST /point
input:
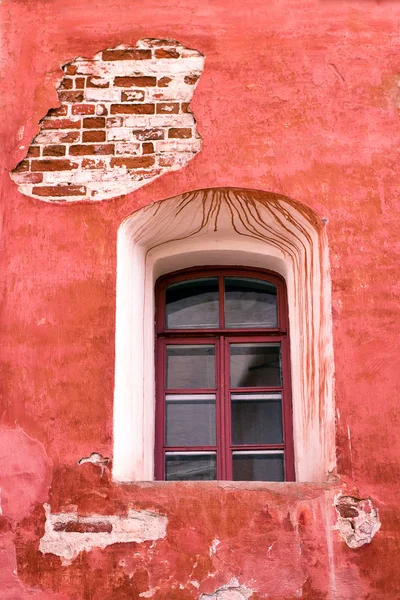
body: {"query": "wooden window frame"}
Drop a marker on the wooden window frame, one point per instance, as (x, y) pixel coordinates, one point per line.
(222, 337)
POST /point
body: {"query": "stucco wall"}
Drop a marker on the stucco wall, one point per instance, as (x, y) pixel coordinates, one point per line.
(298, 98)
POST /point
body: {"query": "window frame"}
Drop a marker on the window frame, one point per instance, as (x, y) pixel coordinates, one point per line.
(222, 337)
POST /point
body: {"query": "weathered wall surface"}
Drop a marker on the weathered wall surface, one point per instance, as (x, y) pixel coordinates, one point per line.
(298, 98)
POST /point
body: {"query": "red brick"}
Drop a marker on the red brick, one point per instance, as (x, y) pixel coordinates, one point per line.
(164, 81)
(60, 111)
(135, 81)
(33, 152)
(94, 122)
(132, 96)
(133, 162)
(132, 109)
(60, 124)
(98, 149)
(71, 136)
(70, 69)
(100, 83)
(66, 84)
(126, 54)
(59, 190)
(54, 151)
(79, 83)
(83, 109)
(53, 165)
(148, 134)
(180, 132)
(74, 96)
(164, 53)
(191, 79)
(29, 178)
(90, 163)
(168, 108)
(94, 136)
(147, 148)
(84, 527)
(185, 107)
(22, 167)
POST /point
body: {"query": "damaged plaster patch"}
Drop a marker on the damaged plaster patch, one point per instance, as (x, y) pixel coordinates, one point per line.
(123, 120)
(68, 534)
(231, 591)
(96, 459)
(358, 520)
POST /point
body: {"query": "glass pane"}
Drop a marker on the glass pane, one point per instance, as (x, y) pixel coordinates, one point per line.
(250, 303)
(257, 419)
(190, 419)
(190, 366)
(192, 304)
(255, 365)
(258, 466)
(192, 466)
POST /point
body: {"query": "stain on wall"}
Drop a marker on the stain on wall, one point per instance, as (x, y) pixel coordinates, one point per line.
(124, 119)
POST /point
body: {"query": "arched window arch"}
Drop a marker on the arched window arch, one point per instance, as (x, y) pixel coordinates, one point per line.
(223, 408)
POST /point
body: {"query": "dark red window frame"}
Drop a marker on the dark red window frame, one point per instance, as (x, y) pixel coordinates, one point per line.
(221, 337)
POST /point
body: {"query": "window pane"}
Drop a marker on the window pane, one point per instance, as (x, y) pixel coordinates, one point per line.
(255, 365)
(190, 366)
(257, 419)
(192, 466)
(258, 466)
(192, 304)
(190, 419)
(250, 303)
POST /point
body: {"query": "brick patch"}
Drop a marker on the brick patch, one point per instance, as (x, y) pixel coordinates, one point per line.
(129, 106)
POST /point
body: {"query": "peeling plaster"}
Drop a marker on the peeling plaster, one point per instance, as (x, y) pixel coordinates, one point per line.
(358, 520)
(231, 591)
(68, 534)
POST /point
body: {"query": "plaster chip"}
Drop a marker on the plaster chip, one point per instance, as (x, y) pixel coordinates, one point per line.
(68, 534)
(358, 520)
(123, 120)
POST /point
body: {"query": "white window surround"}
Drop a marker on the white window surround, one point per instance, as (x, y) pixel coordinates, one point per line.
(224, 227)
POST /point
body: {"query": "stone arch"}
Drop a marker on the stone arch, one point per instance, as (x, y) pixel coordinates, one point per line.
(224, 226)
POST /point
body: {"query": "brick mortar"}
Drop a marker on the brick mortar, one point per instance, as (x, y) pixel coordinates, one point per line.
(128, 96)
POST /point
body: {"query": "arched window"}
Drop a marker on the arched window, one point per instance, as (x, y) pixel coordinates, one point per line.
(223, 408)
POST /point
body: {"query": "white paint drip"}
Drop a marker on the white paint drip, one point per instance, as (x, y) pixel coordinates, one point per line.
(137, 526)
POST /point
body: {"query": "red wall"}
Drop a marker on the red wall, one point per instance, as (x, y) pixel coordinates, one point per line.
(297, 97)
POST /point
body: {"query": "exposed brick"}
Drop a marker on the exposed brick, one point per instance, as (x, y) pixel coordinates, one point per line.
(22, 166)
(60, 111)
(148, 148)
(71, 136)
(179, 132)
(60, 190)
(84, 527)
(57, 137)
(164, 81)
(30, 177)
(97, 82)
(80, 83)
(91, 163)
(60, 124)
(94, 122)
(94, 136)
(91, 149)
(66, 84)
(168, 108)
(83, 109)
(54, 151)
(132, 96)
(53, 165)
(191, 79)
(133, 162)
(115, 122)
(74, 96)
(126, 54)
(126, 82)
(101, 109)
(164, 53)
(70, 69)
(148, 134)
(33, 152)
(132, 109)
(185, 107)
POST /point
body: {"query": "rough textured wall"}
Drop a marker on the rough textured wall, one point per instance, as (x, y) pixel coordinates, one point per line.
(124, 119)
(298, 98)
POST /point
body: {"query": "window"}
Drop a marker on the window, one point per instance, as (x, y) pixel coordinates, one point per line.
(223, 408)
